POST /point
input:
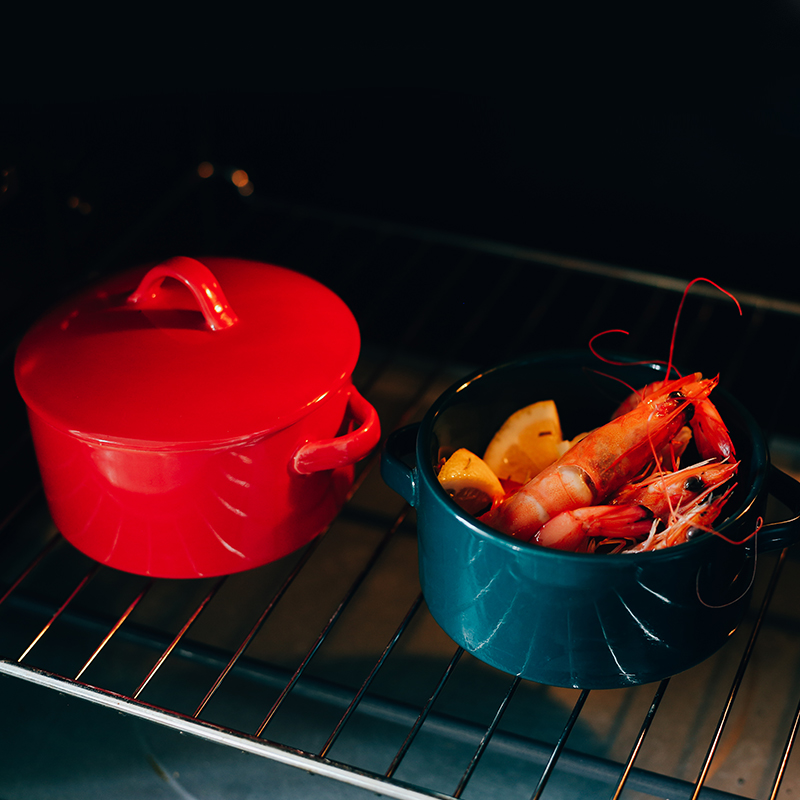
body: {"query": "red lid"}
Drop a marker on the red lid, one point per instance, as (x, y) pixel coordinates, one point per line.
(188, 353)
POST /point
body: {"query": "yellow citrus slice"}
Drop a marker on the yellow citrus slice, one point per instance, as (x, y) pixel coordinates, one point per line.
(467, 479)
(527, 442)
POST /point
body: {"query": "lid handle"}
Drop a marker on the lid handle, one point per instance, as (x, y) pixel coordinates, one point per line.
(199, 279)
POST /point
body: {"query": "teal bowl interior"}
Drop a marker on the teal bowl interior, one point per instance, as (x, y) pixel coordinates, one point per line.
(571, 619)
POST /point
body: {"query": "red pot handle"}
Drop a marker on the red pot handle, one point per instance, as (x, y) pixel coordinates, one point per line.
(343, 450)
(200, 281)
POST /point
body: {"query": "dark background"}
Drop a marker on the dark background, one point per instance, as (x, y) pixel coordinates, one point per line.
(664, 140)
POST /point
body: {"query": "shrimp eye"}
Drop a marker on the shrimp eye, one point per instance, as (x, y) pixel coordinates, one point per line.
(682, 401)
(694, 484)
(693, 533)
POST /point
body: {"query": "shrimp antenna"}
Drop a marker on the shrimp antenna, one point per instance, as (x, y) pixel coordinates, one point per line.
(608, 360)
(680, 308)
(614, 377)
(618, 363)
(603, 358)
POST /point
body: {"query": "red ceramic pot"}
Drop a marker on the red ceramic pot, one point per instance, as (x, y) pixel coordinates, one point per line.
(196, 419)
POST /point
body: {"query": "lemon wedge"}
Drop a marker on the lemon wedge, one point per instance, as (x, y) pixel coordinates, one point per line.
(527, 442)
(470, 482)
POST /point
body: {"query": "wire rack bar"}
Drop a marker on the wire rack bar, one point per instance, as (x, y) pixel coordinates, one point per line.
(560, 744)
(787, 751)
(176, 641)
(401, 629)
(242, 741)
(572, 762)
(637, 745)
(423, 714)
(739, 677)
(570, 264)
(35, 561)
(22, 503)
(484, 743)
(59, 611)
(348, 596)
(269, 608)
(114, 628)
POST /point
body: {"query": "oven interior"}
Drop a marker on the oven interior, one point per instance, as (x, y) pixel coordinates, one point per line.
(324, 672)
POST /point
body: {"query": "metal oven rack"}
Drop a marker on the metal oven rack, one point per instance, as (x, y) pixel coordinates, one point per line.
(328, 662)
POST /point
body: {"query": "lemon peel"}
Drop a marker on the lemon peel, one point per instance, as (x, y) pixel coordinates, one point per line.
(470, 481)
(527, 442)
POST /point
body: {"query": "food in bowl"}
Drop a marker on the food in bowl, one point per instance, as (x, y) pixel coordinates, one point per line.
(618, 488)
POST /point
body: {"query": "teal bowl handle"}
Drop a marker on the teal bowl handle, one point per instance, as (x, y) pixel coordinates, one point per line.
(398, 475)
(781, 534)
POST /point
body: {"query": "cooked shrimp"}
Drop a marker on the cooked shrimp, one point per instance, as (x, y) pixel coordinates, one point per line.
(698, 518)
(668, 493)
(572, 530)
(633, 511)
(604, 460)
(710, 433)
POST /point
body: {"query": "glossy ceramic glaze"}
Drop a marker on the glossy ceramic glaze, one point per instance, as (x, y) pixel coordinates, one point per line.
(195, 419)
(569, 619)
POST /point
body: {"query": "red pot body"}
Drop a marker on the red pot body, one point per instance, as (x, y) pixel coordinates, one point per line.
(193, 513)
(179, 509)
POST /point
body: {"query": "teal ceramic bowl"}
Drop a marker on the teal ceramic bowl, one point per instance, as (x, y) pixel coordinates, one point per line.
(591, 621)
